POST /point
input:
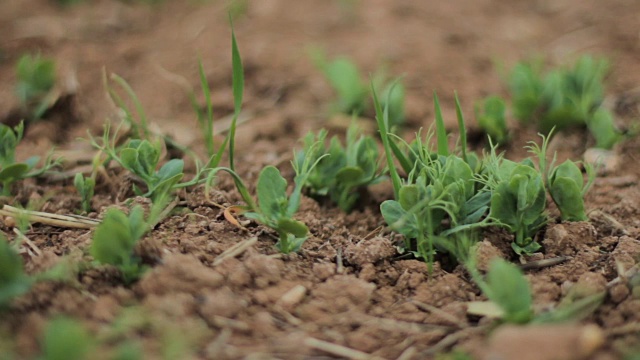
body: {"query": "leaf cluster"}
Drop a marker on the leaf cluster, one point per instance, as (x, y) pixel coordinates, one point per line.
(36, 77)
(352, 91)
(518, 202)
(345, 171)
(491, 117)
(85, 187)
(142, 158)
(276, 210)
(441, 197)
(115, 239)
(563, 98)
(12, 171)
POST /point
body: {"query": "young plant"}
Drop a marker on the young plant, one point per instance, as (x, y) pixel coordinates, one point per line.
(565, 182)
(393, 98)
(564, 98)
(85, 187)
(66, 339)
(115, 238)
(36, 77)
(518, 202)
(345, 171)
(345, 79)
(491, 116)
(13, 280)
(351, 88)
(142, 158)
(506, 286)
(275, 209)
(12, 171)
(568, 188)
(205, 118)
(441, 201)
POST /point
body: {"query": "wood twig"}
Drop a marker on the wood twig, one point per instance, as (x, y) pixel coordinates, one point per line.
(338, 350)
(539, 264)
(65, 221)
(28, 241)
(235, 250)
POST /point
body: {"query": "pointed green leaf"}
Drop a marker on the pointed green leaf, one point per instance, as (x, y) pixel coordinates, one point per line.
(509, 289)
(295, 227)
(272, 196)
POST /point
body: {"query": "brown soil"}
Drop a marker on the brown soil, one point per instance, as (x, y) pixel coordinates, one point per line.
(346, 286)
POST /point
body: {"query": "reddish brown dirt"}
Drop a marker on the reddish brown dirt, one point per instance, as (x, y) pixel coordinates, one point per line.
(346, 286)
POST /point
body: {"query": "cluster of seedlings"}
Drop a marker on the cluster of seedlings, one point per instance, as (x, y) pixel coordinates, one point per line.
(443, 197)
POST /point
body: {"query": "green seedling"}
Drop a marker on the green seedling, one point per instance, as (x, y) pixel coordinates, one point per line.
(567, 188)
(441, 201)
(344, 77)
(206, 118)
(66, 339)
(142, 158)
(85, 187)
(275, 209)
(36, 77)
(518, 202)
(491, 116)
(115, 239)
(346, 170)
(565, 182)
(351, 88)
(12, 171)
(393, 97)
(564, 98)
(506, 286)
(13, 280)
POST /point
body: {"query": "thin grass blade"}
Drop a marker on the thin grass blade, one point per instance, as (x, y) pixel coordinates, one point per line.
(441, 132)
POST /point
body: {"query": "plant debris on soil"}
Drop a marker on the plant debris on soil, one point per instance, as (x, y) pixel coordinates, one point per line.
(217, 287)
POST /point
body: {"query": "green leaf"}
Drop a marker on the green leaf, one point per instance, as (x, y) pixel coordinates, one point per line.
(529, 248)
(295, 227)
(603, 129)
(65, 339)
(291, 244)
(399, 219)
(503, 206)
(170, 169)
(148, 158)
(492, 118)
(238, 90)
(441, 131)
(409, 196)
(129, 158)
(272, 196)
(568, 197)
(509, 289)
(13, 173)
(349, 175)
(462, 128)
(13, 280)
(569, 169)
(382, 117)
(345, 78)
(113, 242)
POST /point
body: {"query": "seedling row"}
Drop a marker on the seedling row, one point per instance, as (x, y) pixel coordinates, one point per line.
(444, 197)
